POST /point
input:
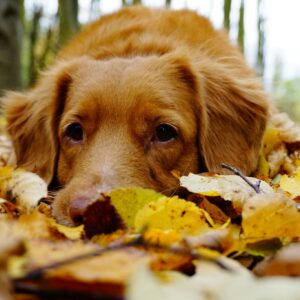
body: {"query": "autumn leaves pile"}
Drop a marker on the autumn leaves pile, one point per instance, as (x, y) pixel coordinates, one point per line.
(225, 236)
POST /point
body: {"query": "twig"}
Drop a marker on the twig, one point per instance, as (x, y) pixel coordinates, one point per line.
(255, 186)
(137, 241)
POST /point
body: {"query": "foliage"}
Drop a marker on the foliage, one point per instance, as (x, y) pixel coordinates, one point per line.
(137, 240)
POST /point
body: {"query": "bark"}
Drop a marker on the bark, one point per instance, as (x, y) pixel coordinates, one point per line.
(68, 19)
(10, 49)
(241, 32)
(34, 33)
(227, 9)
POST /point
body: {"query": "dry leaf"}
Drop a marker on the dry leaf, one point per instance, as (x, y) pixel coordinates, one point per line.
(36, 225)
(286, 262)
(267, 216)
(289, 130)
(129, 201)
(25, 189)
(116, 210)
(291, 184)
(172, 213)
(211, 283)
(229, 187)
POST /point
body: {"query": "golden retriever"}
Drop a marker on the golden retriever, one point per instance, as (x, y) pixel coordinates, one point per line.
(135, 95)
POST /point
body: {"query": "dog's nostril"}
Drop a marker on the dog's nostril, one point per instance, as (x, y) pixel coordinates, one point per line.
(78, 220)
(77, 209)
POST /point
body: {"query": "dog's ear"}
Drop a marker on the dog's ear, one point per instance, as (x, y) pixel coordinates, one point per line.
(231, 109)
(236, 116)
(32, 120)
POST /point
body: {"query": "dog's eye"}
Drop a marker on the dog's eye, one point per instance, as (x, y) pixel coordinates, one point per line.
(74, 132)
(165, 132)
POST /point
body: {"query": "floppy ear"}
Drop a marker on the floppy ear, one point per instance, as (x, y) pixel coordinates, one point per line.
(32, 120)
(231, 109)
(237, 110)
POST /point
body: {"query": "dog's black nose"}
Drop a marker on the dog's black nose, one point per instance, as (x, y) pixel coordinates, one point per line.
(78, 206)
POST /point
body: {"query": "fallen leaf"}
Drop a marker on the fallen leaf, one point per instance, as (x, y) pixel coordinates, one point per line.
(230, 187)
(267, 216)
(172, 213)
(25, 189)
(116, 210)
(36, 225)
(291, 184)
(211, 282)
(286, 262)
(288, 129)
(218, 216)
(129, 201)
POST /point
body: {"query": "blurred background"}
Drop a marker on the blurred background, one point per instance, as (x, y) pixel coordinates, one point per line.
(267, 32)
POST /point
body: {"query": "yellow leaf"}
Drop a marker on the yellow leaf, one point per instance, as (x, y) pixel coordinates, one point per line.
(291, 184)
(162, 237)
(129, 201)
(37, 225)
(267, 216)
(172, 213)
(270, 140)
(263, 168)
(72, 233)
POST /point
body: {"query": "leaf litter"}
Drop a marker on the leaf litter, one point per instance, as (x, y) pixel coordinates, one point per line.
(223, 240)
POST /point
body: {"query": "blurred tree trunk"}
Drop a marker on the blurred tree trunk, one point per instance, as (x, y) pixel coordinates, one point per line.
(260, 61)
(34, 33)
(124, 3)
(68, 19)
(22, 12)
(136, 2)
(227, 9)
(241, 32)
(10, 45)
(168, 3)
(48, 46)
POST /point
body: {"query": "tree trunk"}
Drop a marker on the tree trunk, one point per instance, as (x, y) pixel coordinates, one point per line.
(10, 49)
(136, 2)
(34, 33)
(260, 64)
(168, 3)
(68, 19)
(227, 9)
(241, 32)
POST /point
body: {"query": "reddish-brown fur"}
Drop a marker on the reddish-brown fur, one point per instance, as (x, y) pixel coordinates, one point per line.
(120, 78)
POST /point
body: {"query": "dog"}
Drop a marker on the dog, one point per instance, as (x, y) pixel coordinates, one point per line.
(132, 97)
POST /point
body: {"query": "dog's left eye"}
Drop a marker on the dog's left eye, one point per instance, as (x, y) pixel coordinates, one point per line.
(74, 131)
(165, 133)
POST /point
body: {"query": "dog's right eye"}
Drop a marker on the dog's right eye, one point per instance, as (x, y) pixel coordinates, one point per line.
(74, 131)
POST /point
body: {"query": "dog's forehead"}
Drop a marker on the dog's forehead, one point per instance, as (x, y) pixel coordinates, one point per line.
(119, 82)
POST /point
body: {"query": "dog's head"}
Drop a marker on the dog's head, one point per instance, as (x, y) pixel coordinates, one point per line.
(99, 125)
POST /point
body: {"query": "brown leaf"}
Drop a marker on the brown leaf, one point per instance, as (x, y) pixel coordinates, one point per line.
(101, 217)
(285, 263)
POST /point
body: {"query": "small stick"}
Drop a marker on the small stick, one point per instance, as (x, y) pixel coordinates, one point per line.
(138, 241)
(255, 186)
